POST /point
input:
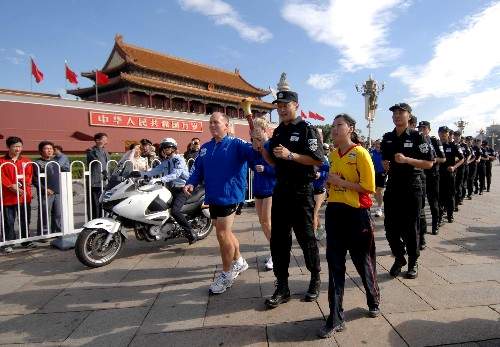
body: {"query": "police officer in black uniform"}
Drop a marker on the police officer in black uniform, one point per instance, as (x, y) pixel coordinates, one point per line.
(432, 174)
(476, 148)
(294, 150)
(405, 153)
(467, 152)
(459, 173)
(472, 167)
(447, 173)
(488, 163)
(481, 166)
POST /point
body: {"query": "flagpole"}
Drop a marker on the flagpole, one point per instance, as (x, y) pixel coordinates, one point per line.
(96, 96)
(65, 79)
(31, 73)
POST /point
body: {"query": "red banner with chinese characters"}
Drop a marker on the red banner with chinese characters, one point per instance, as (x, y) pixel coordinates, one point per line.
(143, 122)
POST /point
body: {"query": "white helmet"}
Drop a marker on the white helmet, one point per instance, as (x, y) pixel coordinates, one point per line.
(168, 142)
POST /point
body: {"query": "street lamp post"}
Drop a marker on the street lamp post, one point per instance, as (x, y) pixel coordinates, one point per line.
(370, 91)
(461, 124)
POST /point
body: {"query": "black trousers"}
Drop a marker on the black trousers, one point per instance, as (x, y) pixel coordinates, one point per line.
(93, 203)
(402, 218)
(459, 176)
(471, 178)
(447, 192)
(179, 199)
(423, 220)
(9, 219)
(349, 229)
(432, 192)
(481, 173)
(293, 207)
(464, 181)
(488, 174)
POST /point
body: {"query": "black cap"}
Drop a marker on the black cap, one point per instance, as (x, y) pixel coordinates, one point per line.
(146, 142)
(457, 133)
(286, 96)
(402, 106)
(468, 137)
(424, 123)
(484, 143)
(443, 129)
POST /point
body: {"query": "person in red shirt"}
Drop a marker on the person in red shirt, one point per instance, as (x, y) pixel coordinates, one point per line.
(16, 192)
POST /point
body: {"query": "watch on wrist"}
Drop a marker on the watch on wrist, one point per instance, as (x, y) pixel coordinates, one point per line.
(290, 156)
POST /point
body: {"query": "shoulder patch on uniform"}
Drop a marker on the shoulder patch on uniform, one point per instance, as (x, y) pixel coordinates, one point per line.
(313, 144)
(203, 151)
(424, 147)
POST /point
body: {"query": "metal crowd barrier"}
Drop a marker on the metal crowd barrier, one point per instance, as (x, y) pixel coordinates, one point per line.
(74, 197)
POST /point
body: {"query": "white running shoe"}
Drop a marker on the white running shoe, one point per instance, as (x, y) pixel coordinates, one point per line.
(238, 266)
(379, 213)
(221, 283)
(269, 263)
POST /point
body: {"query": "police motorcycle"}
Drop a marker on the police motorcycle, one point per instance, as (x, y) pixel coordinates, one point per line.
(144, 206)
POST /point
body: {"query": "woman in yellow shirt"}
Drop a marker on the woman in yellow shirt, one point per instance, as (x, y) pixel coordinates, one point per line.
(348, 222)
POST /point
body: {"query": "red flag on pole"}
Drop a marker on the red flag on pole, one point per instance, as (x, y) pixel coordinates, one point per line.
(312, 115)
(71, 75)
(319, 117)
(101, 78)
(36, 72)
(303, 115)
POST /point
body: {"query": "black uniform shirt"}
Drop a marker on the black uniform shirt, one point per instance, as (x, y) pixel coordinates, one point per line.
(476, 151)
(411, 144)
(437, 148)
(299, 137)
(452, 152)
(466, 151)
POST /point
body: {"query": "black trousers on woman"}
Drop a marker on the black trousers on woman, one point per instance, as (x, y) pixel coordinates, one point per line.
(349, 229)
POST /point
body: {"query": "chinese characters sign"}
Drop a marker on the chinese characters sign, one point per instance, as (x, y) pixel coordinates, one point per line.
(143, 122)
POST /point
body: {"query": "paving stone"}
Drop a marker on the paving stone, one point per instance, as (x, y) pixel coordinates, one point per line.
(363, 331)
(253, 312)
(114, 327)
(302, 333)
(33, 328)
(469, 273)
(26, 301)
(496, 308)
(476, 257)
(460, 294)
(251, 336)
(438, 327)
(425, 276)
(101, 298)
(178, 307)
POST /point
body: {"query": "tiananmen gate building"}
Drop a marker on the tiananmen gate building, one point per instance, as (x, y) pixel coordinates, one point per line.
(148, 95)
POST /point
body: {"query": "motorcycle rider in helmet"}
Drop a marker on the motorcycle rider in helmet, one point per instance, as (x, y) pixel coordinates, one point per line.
(174, 173)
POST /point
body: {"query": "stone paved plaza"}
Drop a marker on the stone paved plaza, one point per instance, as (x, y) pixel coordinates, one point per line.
(156, 294)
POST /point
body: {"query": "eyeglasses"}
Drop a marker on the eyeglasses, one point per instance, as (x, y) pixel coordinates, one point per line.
(196, 143)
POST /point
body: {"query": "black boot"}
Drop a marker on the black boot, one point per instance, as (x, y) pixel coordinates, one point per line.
(280, 296)
(412, 269)
(314, 287)
(190, 236)
(422, 244)
(396, 267)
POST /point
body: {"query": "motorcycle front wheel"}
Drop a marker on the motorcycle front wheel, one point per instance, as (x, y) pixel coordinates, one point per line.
(90, 248)
(202, 226)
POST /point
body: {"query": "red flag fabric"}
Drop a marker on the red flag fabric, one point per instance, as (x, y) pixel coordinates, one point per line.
(101, 78)
(319, 117)
(71, 75)
(303, 115)
(312, 115)
(36, 72)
